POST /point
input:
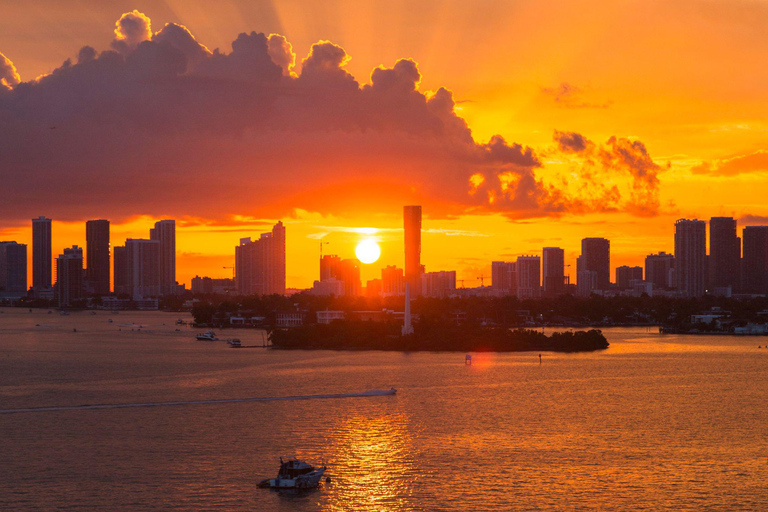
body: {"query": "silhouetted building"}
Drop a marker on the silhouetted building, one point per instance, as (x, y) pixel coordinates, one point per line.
(586, 282)
(625, 276)
(658, 270)
(373, 288)
(724, 254)
(438, 284)
(13, 270)
(392, 281)
(211, 285)
(412, 231)
(143, 270)
(260, 264)
(528, 277)
(41, 255)
(755, 263)
(504, 277)
(165, 233)
(69, 276)
(97, 257)
(596, 257)
(690, 257)
(348, 272)
(553, 260)
(120, 266)
(328, 287)
(329, 265)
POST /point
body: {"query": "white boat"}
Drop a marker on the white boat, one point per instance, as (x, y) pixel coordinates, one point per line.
(235, 342)
(207, 336)
(295, 474)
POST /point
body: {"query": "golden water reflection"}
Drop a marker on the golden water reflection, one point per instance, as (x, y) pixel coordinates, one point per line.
(373, 463)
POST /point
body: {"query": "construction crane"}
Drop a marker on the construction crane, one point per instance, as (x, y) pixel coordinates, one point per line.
(233, 273)
(460, 281)
(482, 280)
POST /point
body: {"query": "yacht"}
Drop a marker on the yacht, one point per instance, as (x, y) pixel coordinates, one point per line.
(295, 474)
(207, 336)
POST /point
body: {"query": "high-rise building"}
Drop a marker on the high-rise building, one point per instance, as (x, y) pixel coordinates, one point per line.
(553, 260)
(142, 263)
(212, 285)
(412, 230)
(690, 257)
(348, 272)
(724, 254)
(392, 281)
(165, 233)
(260, 264)
(504, 277)
(528, 277)
(41, 255)
(69, 276)
(120, 263)
(97, 256)
(328, 266)
(658, 270)
(13, 270)
(596, 257)
(755, 264)
(625, 276)
(438, 284)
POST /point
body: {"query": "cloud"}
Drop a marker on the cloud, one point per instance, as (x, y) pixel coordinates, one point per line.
(752, 163)
(568, 95)
(571, 142)
(161, 125)
(753, 220)
(8, 74)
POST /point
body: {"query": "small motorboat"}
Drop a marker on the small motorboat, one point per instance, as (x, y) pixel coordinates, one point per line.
(207, 336)
(295, 474)
(235, 342)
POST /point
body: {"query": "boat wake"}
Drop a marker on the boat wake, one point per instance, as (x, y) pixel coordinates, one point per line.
(370, 393)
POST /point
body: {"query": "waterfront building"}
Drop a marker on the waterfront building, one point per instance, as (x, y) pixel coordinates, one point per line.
(625, 275)
(164, 232)
(69, 276)
(504, 277)
(143, 269)
(260, 264)
(328, 287)
(755, 263)
(690, 257)
(97, 274)
(724, 254)
(41, 256)
(329, 265)
(392, 281)
(212, 285)
(438, 284)
(553, 267)
(528, 277)
(412, 232)
(13, 270)
(120, 271)
(596, 257)
(658, 270)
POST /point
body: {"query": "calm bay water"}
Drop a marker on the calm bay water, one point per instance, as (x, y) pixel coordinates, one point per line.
(654, 422)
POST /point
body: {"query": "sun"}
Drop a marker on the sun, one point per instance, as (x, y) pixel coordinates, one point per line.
(368, 251)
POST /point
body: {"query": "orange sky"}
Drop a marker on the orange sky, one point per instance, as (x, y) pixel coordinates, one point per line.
(687, 79)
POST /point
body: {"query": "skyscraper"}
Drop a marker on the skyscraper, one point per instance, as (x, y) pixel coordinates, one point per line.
(690, 257)
(260, 264)
(41, 255)
(97, 256)
(438, 284)
(392, 281)
(596, 254)
(348, 272)
(755, 260)
(328, 266)
(504, 277)
(165, 233)
(69, 276)
(554, 270)
(658, 269)
(724, 253)
(13, 270)
(528, 277)
(143, 269)
(412, 230)
(625, 275)
(122, 282)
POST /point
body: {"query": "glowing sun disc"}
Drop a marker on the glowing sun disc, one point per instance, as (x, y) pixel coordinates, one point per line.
(368, 251)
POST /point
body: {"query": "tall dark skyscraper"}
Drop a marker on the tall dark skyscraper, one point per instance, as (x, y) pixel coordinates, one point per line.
(504, 277)
(13, 270)
(658, 268)
(143, 269)
(122, 282)
(69, 276)
(596, 257)
(724, 254)
(554, 270)
(165, 233)
(97, 256)
(625, 275)
(412, 229)
(260, 264)
(755, 264)
(41, 254)
(690, 257)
